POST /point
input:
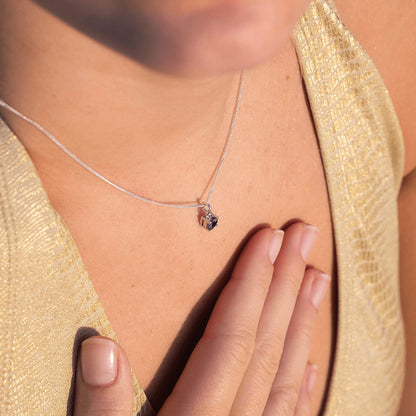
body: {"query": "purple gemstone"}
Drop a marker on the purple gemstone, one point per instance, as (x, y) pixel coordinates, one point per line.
(212, 222)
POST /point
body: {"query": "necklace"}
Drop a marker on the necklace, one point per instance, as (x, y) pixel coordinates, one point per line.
(207, 219)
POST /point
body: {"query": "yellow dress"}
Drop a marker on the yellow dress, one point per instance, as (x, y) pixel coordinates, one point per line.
(48, 304)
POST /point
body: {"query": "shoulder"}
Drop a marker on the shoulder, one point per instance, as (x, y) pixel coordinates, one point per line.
(388, 34)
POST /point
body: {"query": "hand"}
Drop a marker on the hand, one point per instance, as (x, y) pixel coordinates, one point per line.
(253, 356)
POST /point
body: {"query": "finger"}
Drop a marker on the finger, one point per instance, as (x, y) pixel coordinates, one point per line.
(275, 318)
(303, 406)
(286, 386)
(103, 383)
(214, 371)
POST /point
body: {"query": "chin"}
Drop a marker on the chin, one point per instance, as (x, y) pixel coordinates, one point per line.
(222, 37)
(186, 37)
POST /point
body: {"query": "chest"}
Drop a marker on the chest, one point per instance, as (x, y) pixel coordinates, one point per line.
(158, 273)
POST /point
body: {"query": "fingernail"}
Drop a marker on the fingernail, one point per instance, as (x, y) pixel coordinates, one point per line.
(307, 240)
(98, 361)
(313, 371)
(319, 288)
(275, 244)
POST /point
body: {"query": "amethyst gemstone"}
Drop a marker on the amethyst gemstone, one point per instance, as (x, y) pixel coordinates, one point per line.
(212, 222)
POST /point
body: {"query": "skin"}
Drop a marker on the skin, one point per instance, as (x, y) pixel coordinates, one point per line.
(188, 38)
(110, 82)
(235, 369)
(104, 82)
(122, 74)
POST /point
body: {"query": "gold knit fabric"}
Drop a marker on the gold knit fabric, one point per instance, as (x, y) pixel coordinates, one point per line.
(48, 304)
(363, 156)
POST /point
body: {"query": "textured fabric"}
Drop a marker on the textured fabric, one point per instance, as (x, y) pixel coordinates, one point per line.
(48, 304)
(363, 155)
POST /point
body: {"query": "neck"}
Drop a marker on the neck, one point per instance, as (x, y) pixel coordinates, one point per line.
(106, 108)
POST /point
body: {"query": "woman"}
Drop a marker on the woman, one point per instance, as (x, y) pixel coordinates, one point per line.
(144, 92)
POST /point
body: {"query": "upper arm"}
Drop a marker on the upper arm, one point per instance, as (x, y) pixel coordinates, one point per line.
(407, 221)
(388, 34)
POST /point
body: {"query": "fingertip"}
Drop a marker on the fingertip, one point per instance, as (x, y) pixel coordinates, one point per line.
(309, 236)
(104, 382)
(276, 240)
(260, 246)
(312, 372)
(303, 406)
(99, 361)
(315, 286)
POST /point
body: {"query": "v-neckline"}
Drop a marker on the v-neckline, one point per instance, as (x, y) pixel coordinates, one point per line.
(344, 89)
(87, 280)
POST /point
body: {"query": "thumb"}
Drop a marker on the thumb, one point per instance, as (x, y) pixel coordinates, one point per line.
(103, 382)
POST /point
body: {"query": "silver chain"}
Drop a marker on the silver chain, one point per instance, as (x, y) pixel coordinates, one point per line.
(126, 191)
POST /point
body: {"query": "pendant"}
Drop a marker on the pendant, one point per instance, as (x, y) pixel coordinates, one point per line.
(208, 220)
